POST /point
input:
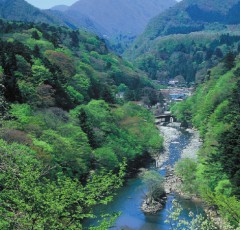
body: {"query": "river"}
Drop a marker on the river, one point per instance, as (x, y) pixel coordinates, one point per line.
(129, 198)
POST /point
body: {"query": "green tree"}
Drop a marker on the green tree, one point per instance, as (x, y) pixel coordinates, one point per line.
(35, 35)
(186, 169)
(106, 158)
(229, 60)
(154, 183)
(30, 200)
(198, 222)
(39, 72)
(36, 51)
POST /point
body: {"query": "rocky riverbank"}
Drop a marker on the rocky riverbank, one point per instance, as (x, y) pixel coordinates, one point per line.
(172, 182)
(195, 144)
(170, 133)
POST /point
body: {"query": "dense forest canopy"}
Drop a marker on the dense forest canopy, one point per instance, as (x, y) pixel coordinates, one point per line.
(214, 109)
(66, 138)
(187, 40)
(71, 124)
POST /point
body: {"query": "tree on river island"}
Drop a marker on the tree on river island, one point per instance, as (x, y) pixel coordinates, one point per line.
(154, 183)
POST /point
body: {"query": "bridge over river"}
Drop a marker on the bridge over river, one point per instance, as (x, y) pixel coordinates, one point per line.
(166, 117)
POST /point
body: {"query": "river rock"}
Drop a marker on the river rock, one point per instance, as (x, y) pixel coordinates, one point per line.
(195, 144)
(152, 207)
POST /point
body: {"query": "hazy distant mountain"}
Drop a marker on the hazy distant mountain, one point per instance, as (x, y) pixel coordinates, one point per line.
(20, 10)
(75, 21)
(61, 8)
(114, 17)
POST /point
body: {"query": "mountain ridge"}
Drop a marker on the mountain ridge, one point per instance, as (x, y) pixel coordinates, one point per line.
(61, 8)
(187, 40)
(119, 17)
(193, 16)
(20, 10)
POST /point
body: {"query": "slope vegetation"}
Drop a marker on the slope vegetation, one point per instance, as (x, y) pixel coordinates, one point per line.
(187, 39)
(215, 111)
(65, 137)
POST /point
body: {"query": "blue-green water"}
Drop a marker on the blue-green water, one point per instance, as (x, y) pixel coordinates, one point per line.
(129, 198)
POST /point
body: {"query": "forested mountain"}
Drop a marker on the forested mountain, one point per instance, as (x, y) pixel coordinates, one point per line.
(193, 15)
(20, 10)
(187, 39)
(66, 137)
(61, 8)
(124, 17)
(119, 21)
(215, 110)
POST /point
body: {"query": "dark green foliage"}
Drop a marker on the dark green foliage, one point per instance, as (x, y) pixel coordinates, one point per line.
(166, 48)
(229, 60)
(36, 51)
(71, 63)
(86, 127)
(229, 154)
(187, 55)
(35, 35)
(75, 38)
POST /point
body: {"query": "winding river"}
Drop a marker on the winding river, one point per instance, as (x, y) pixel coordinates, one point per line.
(129, 198)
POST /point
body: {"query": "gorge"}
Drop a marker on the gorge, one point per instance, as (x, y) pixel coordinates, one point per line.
(179, 142)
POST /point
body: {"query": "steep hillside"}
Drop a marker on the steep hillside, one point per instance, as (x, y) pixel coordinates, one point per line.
(124, 17)
(75, 21)
(214, 109)
(20, 10)
(67, 130)
(191, 15)
(61, 8)
(68, 53)
(187, 40)
(117, 21)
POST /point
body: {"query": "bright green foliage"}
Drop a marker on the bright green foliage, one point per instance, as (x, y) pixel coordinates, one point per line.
(228, 206)
(215, 110)
(38, 202)
(127, 131)
(186, 169)
(198, 222)
(39, 72)
(224, 187)
(66, 67)
(65, 143)
(106, 157)
(140, 123)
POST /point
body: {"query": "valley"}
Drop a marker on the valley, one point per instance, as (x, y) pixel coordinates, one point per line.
(115, 114)
(130, 197)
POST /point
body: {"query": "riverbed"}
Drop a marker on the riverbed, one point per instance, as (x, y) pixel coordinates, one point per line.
(178, 142)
